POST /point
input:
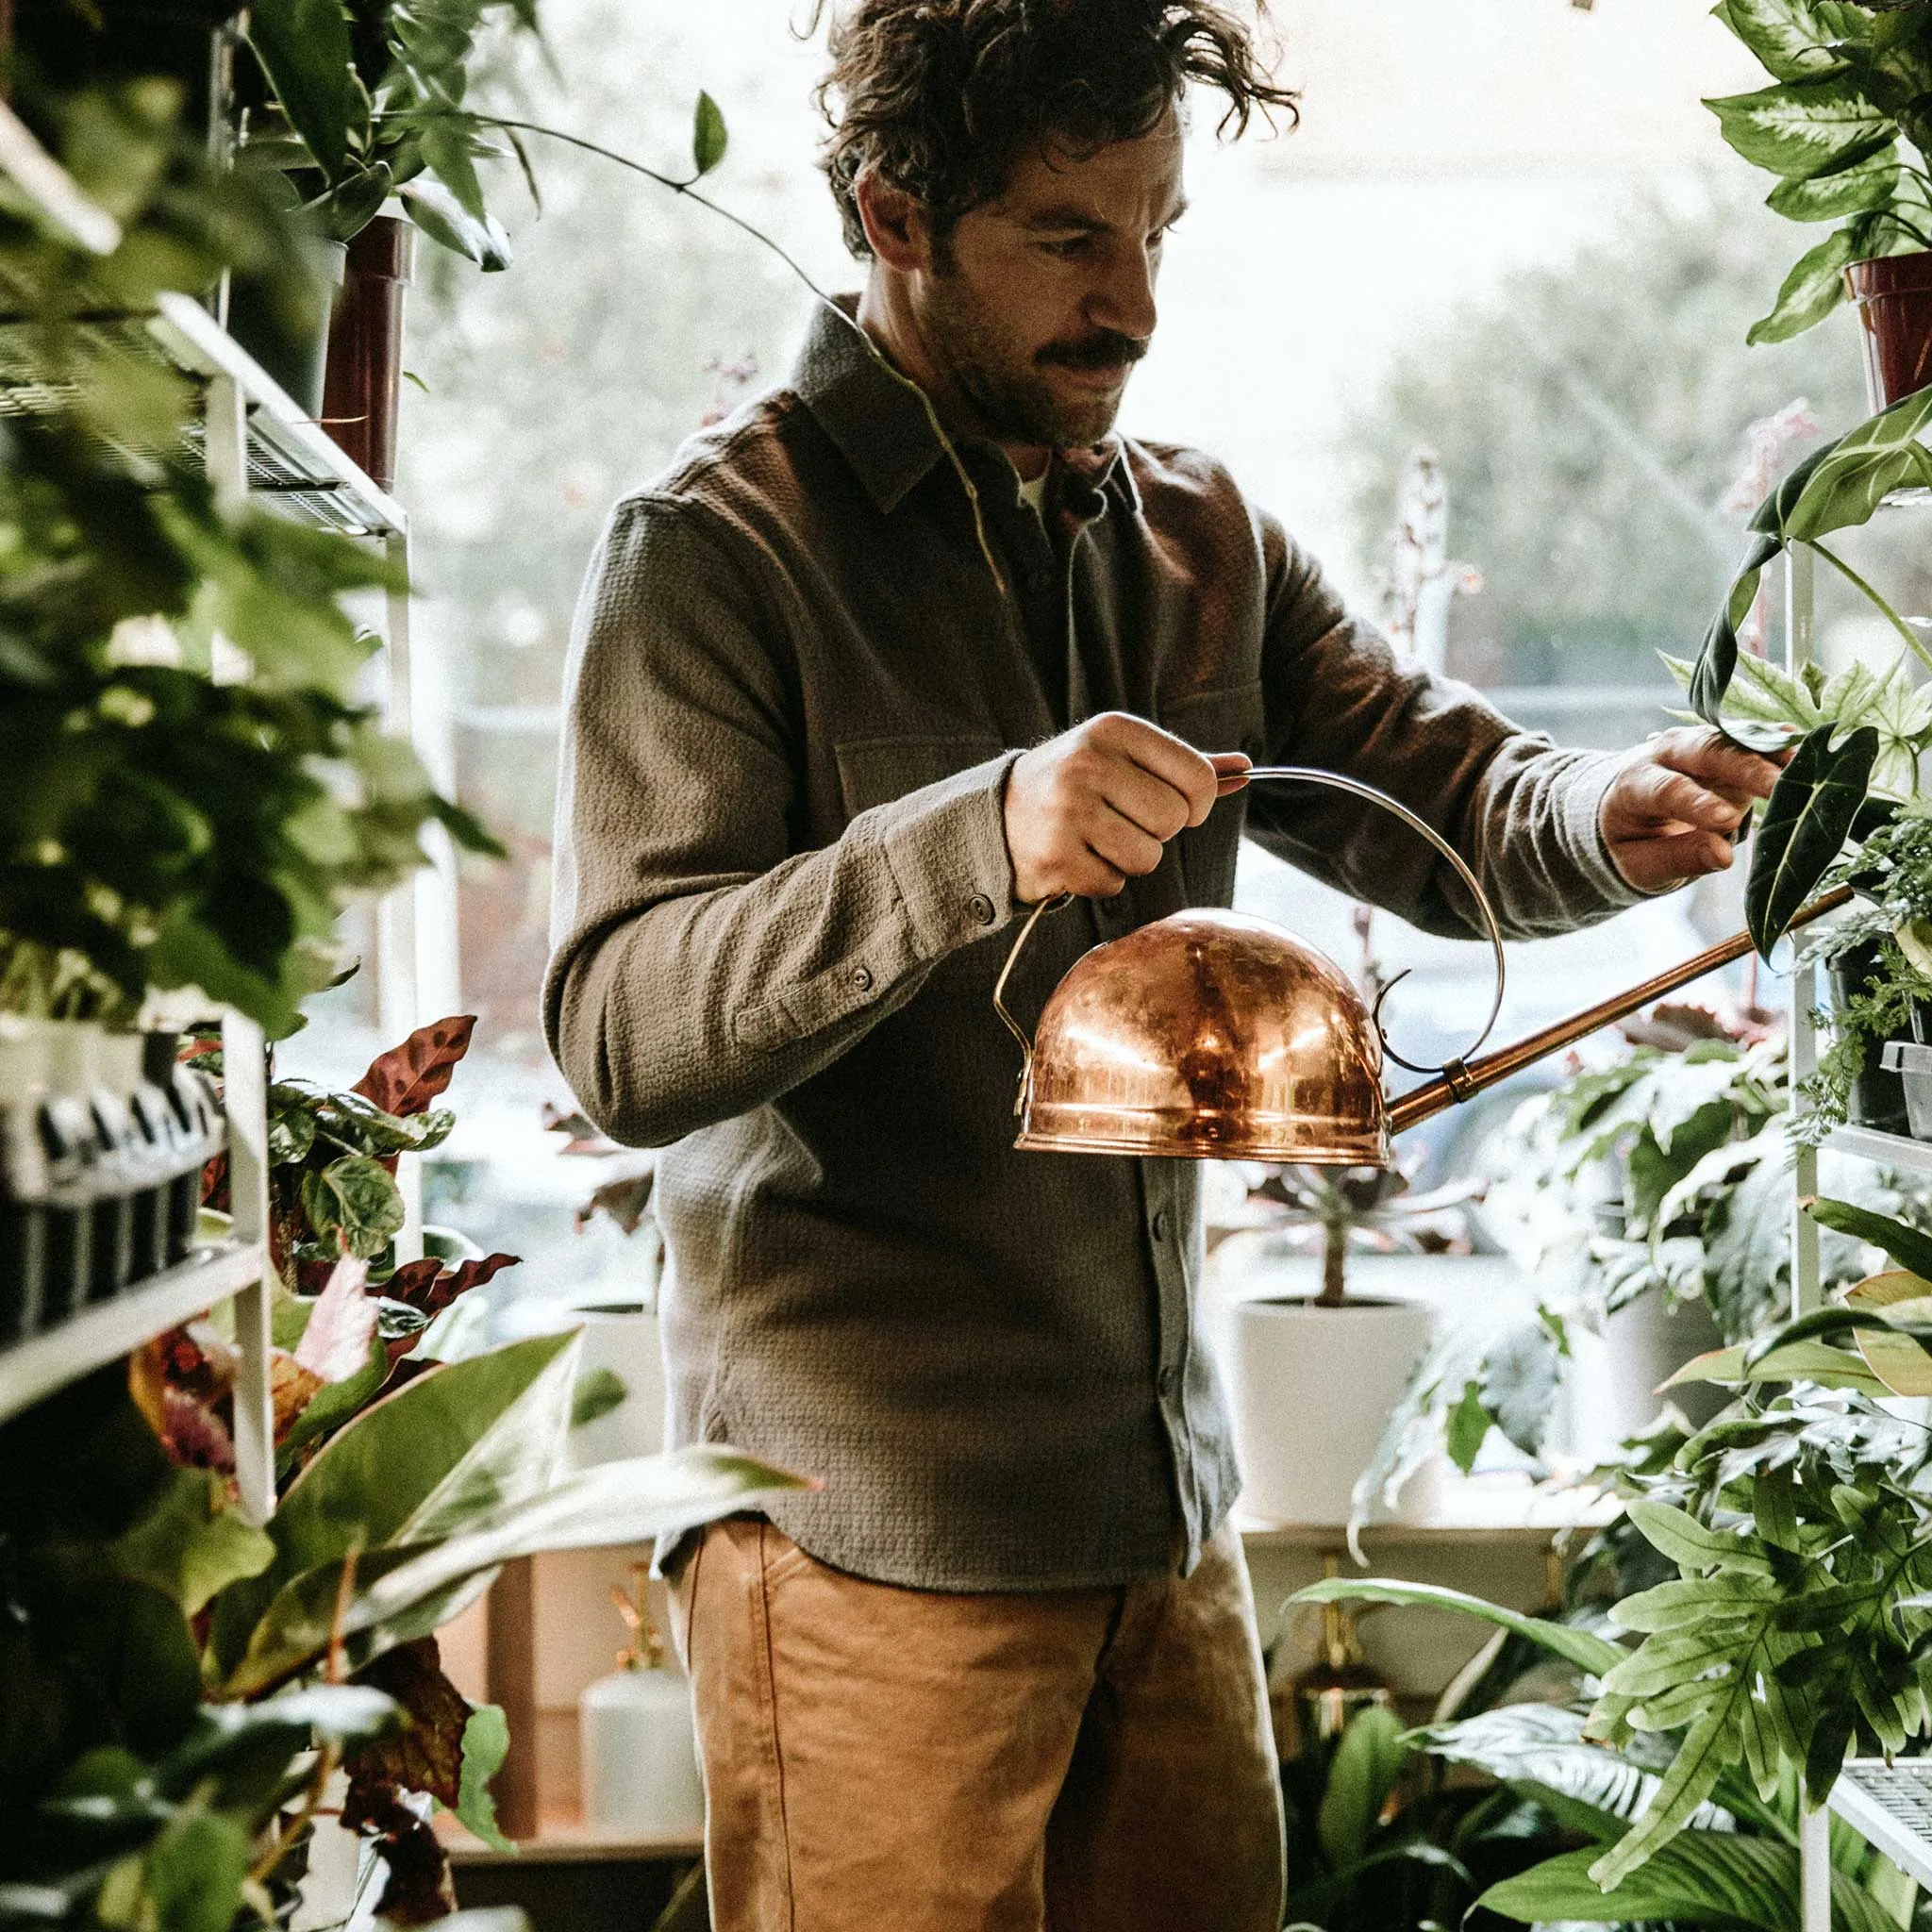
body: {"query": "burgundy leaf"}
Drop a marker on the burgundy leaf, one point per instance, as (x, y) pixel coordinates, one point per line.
(428, 1286)
(408, 1077)
(625, 1200)
(420, 1889)
(425, 1752)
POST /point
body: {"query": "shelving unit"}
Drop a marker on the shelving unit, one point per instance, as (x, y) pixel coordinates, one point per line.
(1888, 1806)
(253, 442)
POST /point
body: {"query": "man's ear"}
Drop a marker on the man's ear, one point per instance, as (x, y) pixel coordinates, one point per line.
(897, 227)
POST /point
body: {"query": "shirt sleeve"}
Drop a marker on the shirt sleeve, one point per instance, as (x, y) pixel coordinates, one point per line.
(701, 965)
(1523, 813)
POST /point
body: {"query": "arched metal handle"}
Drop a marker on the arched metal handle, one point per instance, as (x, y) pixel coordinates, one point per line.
(1355, 787)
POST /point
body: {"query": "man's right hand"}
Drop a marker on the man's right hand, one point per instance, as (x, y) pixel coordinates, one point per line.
(1092, 807)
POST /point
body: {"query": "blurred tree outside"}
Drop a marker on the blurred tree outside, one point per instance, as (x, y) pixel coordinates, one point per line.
(1590, 418)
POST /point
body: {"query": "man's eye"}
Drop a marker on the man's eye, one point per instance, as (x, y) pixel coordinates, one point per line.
(1066, 250)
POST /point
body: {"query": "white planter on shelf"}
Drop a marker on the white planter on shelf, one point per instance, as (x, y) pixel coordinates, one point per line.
(1310, 1389)
(623, 1340)
(1619, 1374)
(641, 1775)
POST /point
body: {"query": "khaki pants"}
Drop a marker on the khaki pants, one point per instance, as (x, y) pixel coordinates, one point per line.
(902, 1760)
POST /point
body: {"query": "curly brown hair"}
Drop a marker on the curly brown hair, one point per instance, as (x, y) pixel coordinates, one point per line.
(943, 96)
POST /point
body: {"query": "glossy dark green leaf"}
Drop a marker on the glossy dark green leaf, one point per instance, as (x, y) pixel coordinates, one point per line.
(354, 1201)
(1366, 1764)
(708, 137)
(306, 50)
(451, 225)
(1842, 485)
(596, 1394)
(1804, 828)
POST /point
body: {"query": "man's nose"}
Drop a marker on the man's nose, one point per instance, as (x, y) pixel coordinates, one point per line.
(1124, 301)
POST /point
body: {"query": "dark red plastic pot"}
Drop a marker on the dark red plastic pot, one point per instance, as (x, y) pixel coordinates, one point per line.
(1894, 297)
(365, 348)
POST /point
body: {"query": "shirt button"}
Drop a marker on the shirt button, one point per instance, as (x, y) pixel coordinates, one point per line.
(862, 979)
(1160, 1226)
(1164, 1381)
(981, 909)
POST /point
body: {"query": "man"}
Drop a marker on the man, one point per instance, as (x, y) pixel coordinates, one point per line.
(903, 647)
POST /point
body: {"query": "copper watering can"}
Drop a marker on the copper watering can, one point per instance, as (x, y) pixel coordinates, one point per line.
(1210, 1035)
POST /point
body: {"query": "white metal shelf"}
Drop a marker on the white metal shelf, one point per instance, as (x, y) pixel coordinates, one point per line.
(1891, 1150)
(107, 1330)
(292, 461)
(1889, 1806)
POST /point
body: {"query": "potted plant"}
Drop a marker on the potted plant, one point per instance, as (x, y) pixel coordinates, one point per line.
(1325, 1325)
(1846, 124)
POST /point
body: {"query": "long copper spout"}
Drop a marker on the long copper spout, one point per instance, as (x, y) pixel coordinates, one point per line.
(1461, 1082)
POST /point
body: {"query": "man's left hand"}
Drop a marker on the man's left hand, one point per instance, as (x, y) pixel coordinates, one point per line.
(1673, 810)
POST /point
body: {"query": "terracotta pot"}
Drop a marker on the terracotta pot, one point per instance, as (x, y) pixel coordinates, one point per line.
(1894, 297)
(365, 348)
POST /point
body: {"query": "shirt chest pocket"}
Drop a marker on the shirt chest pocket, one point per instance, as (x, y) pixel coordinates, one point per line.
(875, 771)
(1230, 719)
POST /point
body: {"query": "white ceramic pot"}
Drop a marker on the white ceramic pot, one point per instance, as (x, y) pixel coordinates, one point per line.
(1618, 1374)
(1310, 1390)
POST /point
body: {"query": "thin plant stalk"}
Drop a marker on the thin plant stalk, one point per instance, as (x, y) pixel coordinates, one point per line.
(1334, 1265)
(1892, 616)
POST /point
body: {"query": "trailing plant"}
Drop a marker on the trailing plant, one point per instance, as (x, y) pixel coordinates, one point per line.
(1846, 124)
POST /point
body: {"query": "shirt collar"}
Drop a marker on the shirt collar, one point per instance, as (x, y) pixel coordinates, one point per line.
(878, 421)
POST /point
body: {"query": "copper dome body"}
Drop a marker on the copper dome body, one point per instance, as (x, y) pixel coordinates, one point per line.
(1209, 1035)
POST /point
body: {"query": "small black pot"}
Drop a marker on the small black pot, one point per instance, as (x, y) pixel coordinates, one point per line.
(1877, 1098)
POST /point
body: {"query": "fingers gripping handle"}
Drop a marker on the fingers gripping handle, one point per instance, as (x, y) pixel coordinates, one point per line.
(1306, 775)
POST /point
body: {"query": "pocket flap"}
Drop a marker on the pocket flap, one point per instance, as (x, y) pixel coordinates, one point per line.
(875, 771)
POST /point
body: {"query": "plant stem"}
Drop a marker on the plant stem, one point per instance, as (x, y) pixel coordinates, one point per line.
(689, 190)
(1334, 1265)
(1892, 616)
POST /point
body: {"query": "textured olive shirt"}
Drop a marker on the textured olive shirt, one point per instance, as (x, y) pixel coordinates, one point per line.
(783, 895)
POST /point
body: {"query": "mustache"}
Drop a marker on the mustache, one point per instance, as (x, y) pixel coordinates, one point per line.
(1105, 348)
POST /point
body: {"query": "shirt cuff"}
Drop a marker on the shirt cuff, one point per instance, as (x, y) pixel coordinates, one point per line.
(1584, 788)
(946, 846)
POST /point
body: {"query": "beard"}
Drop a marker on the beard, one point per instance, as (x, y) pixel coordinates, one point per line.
(1007, 387)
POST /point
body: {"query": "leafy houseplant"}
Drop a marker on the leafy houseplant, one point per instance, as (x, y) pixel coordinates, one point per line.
(166, 828)
(1846, 124)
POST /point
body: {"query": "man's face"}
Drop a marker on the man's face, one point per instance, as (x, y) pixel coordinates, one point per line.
(1040, 303)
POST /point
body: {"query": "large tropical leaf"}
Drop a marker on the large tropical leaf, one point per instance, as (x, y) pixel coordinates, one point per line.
(1903, 1365)
(1804, 828)
(402, 1593)
(1831, 198)
(446, 1449)
(1363, 1772)
(1812, 288)
(1805, 127)
(1540, 1751)
(1584, 1648)
(1703, 1877)
(1839, 485)
(1796, 40)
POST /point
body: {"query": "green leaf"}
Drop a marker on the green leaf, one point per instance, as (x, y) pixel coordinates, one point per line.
(1713, 1742)
(332, 1404)
(451, 225)
(1804, 828)
(1800, 1361)
(708, 136)
(403, 1592)
(1705, 1876)
(306, 50)
(353, 1202)
(486, 1744)
(1802, 128)
(1584, 1648)
(1795, 39)
(1842, 484)
(596, 1394)
(1366, 1765)
(1467, 1425)
(455, 1442)
(1909, 1246)
(1814, 288)
(1830, 197)
(193, 1873)
(1685, 1602)
(192, 1543)
(1693, 1545)
(1540, 1750)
